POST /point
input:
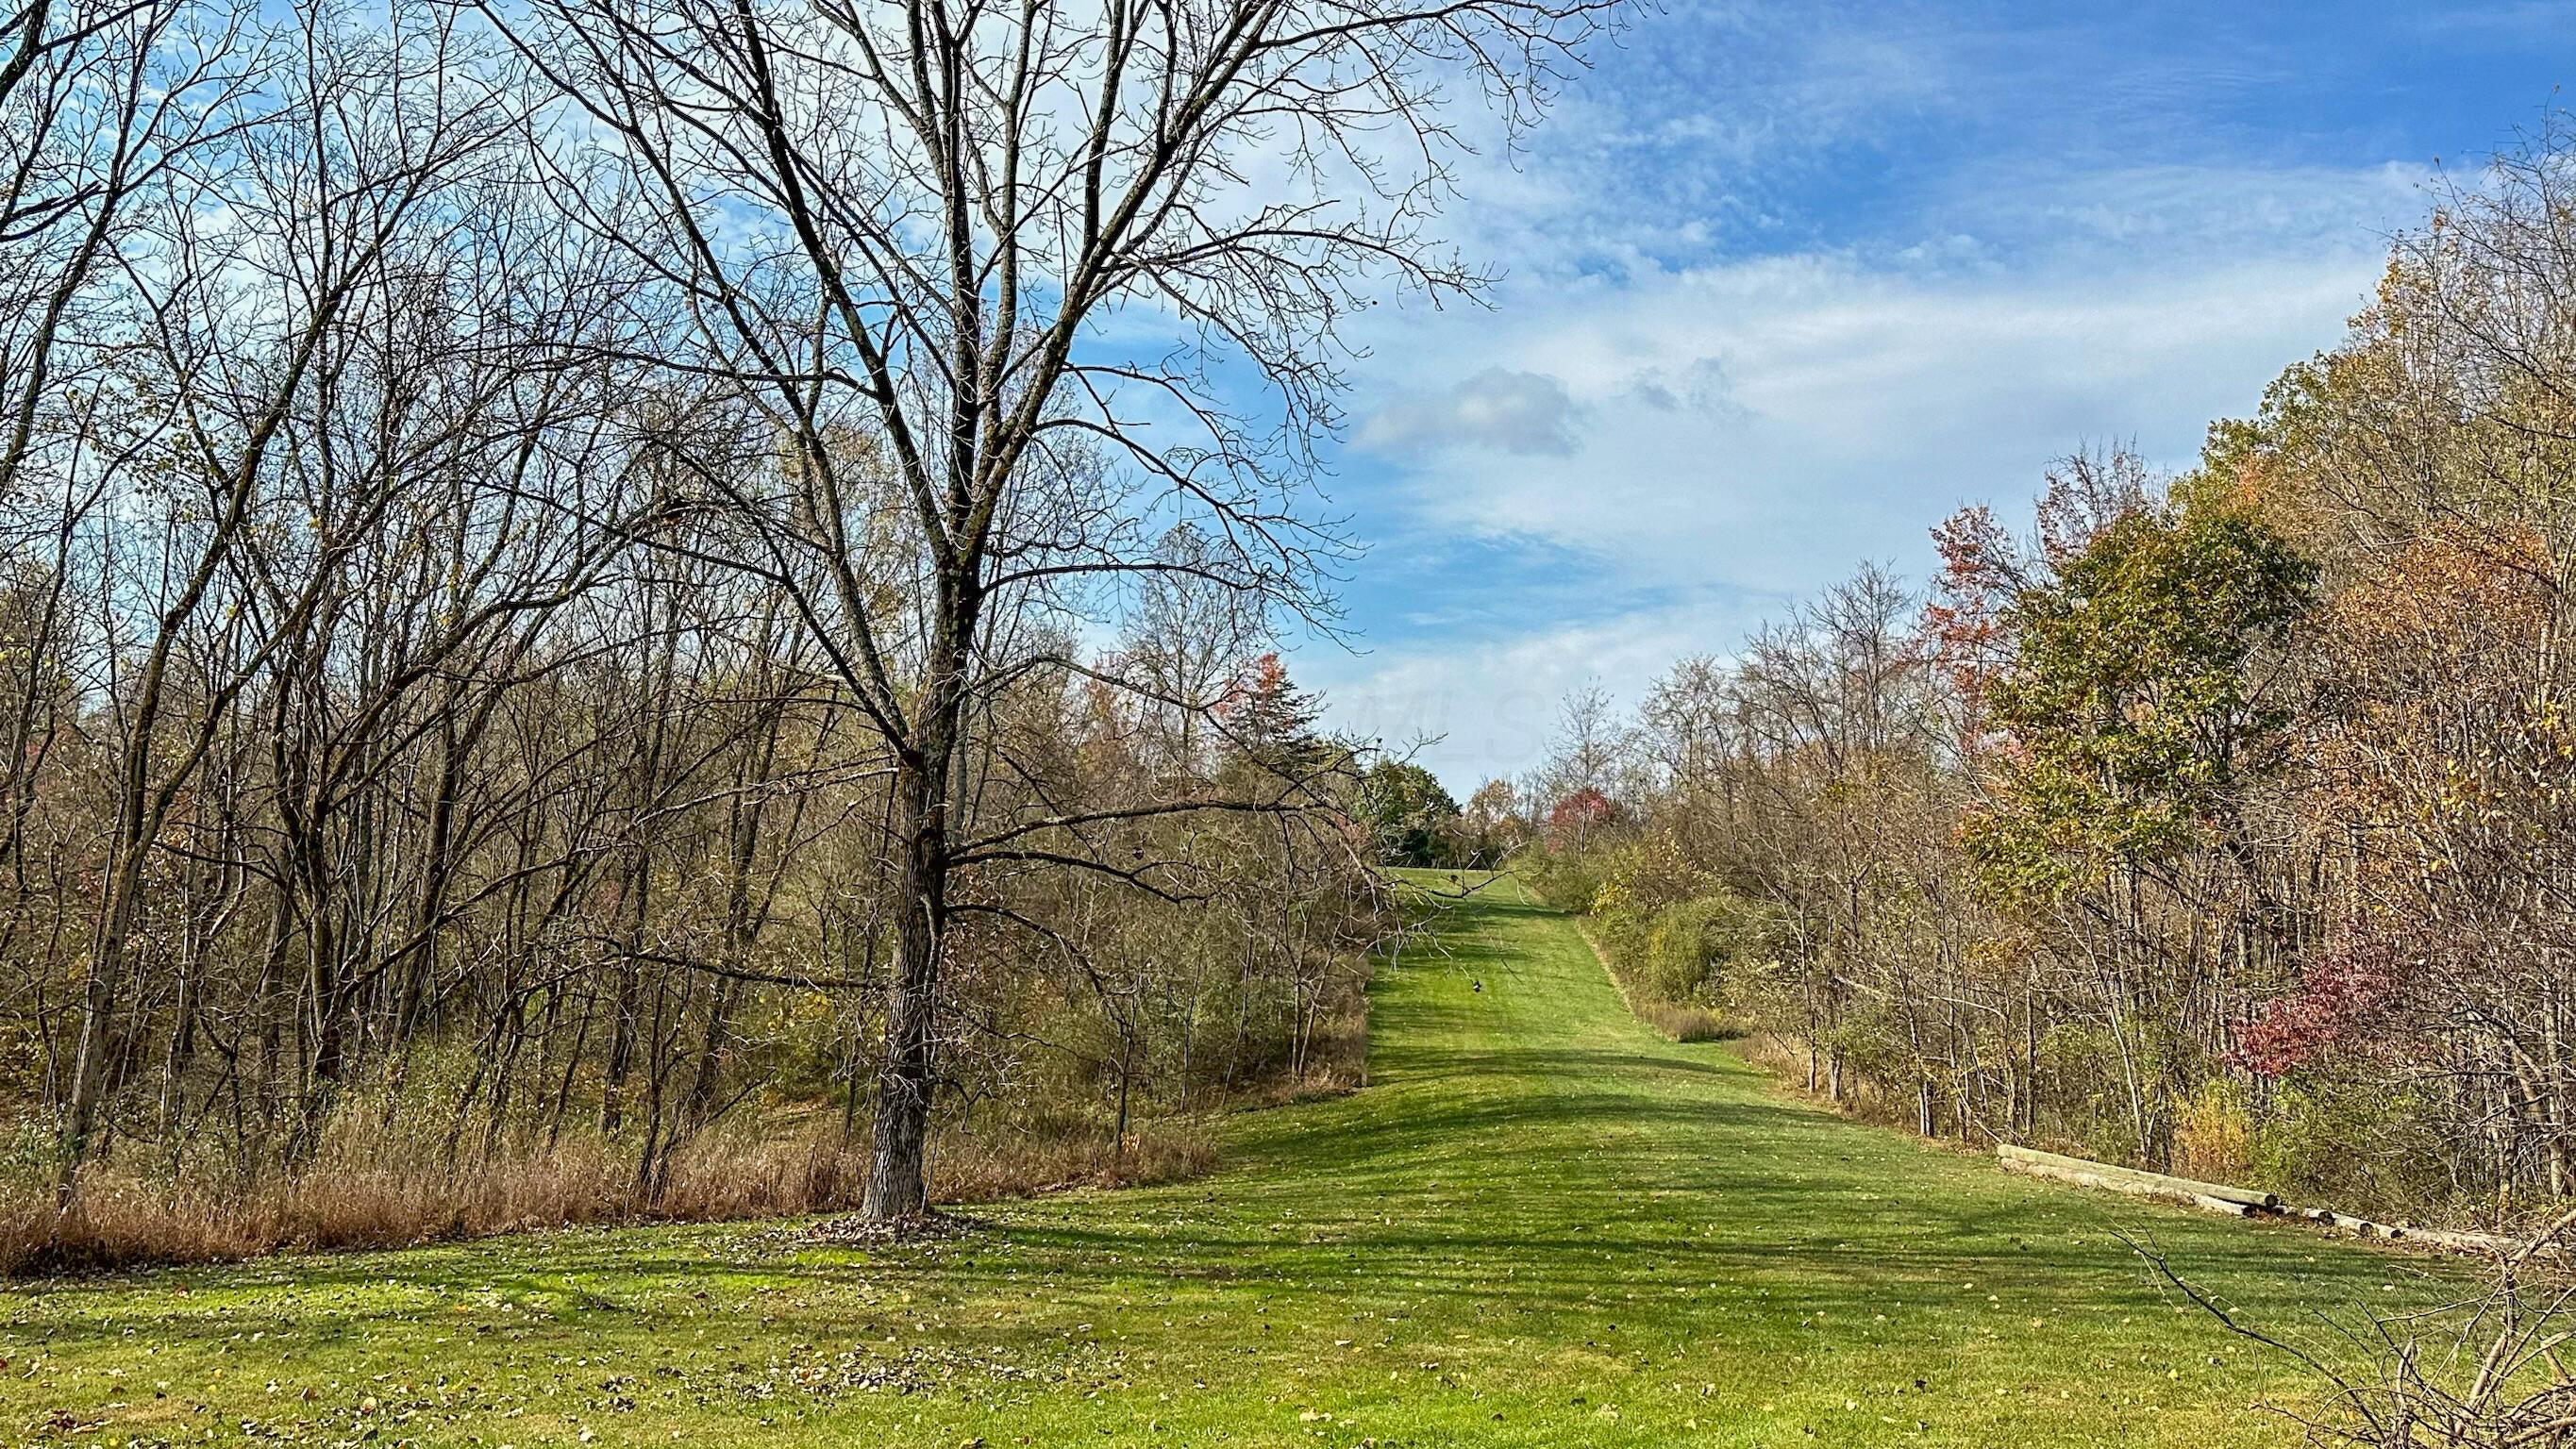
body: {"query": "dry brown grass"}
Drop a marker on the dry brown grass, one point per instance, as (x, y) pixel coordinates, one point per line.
(1782, 1059)
(1688, 1023)
(367, 1187)
(395, 1195)
(1336, 1065)
(123, 1217)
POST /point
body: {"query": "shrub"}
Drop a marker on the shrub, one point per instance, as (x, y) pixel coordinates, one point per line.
(1564, 880)
(2214, 1133)
(1700, 949)
(2364, 1147)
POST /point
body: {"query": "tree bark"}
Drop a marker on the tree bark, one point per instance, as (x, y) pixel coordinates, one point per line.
(898, 1162)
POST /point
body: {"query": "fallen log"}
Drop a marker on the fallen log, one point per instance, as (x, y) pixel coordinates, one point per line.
(2363, 1227)
(2247, 1203)
(2460, 1242)
(2135, 1184)
(2237, 1201)
(2136, 1181)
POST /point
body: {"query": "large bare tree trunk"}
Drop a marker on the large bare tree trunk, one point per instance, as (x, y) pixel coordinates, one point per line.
(899, 1156)
(898, 1161)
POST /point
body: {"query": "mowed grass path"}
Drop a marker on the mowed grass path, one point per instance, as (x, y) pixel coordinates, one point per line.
(1541, 1224)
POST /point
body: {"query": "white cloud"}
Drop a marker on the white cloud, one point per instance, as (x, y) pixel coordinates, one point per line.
(1761, 422)
(2141, 216)
(1526, 413)
(1757, 428)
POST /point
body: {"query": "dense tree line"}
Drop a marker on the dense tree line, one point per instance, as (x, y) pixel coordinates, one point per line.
(572, 567)
(2222, 822)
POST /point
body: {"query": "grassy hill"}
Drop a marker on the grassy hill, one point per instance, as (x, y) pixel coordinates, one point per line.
(1541, 1224)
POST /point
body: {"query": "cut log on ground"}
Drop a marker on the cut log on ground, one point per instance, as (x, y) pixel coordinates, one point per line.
(2235, 1201)
(2217, 1197)
(2364, 1227)
(2209, 1197)
(2459, 1242)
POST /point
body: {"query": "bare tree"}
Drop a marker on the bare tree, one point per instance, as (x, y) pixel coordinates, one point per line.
(914, 223)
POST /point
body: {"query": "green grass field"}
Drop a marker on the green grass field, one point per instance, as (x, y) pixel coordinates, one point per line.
(1540, 1224)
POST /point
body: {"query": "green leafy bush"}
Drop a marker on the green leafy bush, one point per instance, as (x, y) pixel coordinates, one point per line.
(1699, 950)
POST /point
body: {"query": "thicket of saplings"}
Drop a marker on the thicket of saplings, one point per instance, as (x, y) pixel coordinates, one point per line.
(610, 943)
(2226, 825)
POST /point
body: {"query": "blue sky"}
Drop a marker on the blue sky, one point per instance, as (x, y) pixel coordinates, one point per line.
(1788, 283)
